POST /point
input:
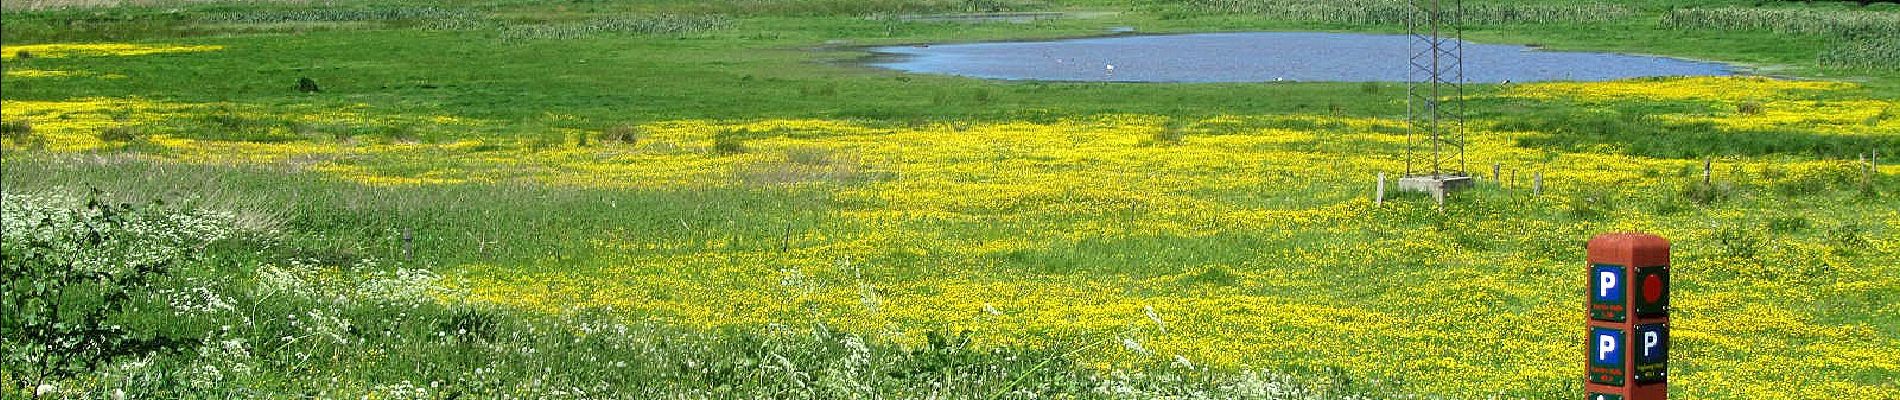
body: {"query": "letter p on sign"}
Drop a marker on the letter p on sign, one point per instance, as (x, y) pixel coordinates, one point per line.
(1609, 347)
(1650, 340)
(1605, 346)
(1606, 281)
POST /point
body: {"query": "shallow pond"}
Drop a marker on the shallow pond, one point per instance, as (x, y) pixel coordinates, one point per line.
(1265, 57)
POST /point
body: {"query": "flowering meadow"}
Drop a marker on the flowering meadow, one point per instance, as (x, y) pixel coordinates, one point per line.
(420, 231)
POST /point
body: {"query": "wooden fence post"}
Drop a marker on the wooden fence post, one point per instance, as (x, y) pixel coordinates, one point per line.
(1378, 197)
(1537, 183)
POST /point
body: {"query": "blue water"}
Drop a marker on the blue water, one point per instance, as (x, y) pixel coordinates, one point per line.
(1266, 57)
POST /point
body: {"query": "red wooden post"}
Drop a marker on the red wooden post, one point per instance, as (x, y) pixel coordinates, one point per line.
(1629, 318)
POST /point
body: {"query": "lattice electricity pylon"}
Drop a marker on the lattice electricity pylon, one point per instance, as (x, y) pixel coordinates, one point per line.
(1435, 102)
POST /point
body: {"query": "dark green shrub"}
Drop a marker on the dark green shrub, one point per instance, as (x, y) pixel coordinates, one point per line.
(1170, 134)
(624, 133)
(730, 142)
(66, 275)
(18, 132)
(1847, 238)
(1789, 224)
(1738, 241)
(121, 134)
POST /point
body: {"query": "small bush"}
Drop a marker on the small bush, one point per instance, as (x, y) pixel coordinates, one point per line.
(66, 275)
(1370, 88)
(1817, 180)
(399, 132)
(823, 90)
(1876, 119)
(1738, 241)
(120, 134)
(16, 131)
(1591, 205)
(120, 114)
(1170, 134)
(624, 134)
(1750, 108)
(546, 139)
(1212, 275)
(1789, 224)
(472, 323)
(1847, 237)
(342, 135)
(1710, 193)
(302, 128)
(730, 142)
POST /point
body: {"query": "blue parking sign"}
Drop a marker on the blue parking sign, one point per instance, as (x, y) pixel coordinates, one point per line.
(1607, 347)
(1606, 283)
(1607, 287)
(1652, 353)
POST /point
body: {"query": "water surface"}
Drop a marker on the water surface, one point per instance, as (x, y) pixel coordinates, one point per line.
(1266, 57)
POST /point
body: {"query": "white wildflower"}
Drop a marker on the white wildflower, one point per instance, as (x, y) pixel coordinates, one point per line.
(405, 285)
(1182, 361)
(1134, 346)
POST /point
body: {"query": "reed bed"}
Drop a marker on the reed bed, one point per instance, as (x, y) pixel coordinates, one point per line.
(810, 8)
(328, 14)
(1384, 12)
(1788, 21)
(660, 24)
(1876, 53)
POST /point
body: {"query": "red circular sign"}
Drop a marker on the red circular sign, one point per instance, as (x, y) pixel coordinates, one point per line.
(1652, 288)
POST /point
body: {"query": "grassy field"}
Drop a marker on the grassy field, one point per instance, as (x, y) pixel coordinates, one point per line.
(693, 199)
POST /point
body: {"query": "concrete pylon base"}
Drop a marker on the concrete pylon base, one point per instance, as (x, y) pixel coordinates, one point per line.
(1436, 185)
